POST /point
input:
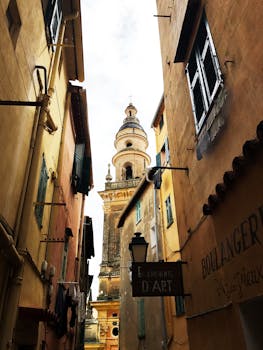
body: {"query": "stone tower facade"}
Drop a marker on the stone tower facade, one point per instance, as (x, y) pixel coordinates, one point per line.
(130, 162)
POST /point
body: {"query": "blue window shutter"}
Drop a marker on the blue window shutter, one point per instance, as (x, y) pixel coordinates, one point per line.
(141, 319)
(158, 159)
(41, 193)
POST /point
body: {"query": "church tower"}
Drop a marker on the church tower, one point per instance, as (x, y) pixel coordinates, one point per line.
(130, 162)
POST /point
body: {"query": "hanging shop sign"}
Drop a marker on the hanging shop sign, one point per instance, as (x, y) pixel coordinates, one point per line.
(157, 279)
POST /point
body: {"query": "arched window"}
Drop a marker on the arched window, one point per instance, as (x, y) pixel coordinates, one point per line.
(128, 174)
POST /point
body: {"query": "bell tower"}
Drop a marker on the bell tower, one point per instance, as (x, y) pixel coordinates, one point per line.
(131, 143)
(130, 162)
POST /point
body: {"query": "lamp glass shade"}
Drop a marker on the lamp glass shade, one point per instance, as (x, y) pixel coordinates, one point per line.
(138, 248)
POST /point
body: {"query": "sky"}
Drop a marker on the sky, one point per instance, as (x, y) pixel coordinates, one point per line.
(122, 65)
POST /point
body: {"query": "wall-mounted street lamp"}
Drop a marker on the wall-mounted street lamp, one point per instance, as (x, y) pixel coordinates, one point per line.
(138, 248)
(154, 174)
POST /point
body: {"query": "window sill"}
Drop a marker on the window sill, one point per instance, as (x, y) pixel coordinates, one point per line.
(214, 123)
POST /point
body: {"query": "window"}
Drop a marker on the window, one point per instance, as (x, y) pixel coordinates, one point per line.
(64, 260)
(13, 21)
(203, 74)
(128, 144)
(138, 212)
(115, 331)
(179, 305)
(53, 16)
(169, 213)
(163, 157)
(128, 172)
(161, 122)
(41, 193)
(81, 170)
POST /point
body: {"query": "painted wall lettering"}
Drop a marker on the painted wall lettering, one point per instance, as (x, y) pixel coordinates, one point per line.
(247, 234)
(240, 280)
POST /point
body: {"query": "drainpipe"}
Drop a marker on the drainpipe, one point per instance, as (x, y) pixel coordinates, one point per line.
(6, 334)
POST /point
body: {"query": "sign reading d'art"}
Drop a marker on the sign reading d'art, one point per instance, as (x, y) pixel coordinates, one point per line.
(157, 279)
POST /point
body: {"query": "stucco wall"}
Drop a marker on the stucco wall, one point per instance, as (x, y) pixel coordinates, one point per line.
(236, 32)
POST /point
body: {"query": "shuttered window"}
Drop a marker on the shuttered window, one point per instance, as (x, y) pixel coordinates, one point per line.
(158, 159)
(163, 157)
(53, 17)
(203, 74)
(169, 212)
(138, 212)
(41, 193)
(81, 170)
(179, 305)
(141, 319)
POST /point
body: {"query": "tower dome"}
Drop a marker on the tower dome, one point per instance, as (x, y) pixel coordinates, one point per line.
(131, 143)
(131, 121)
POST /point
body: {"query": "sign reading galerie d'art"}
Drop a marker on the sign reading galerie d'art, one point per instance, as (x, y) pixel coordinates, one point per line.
(157, 279)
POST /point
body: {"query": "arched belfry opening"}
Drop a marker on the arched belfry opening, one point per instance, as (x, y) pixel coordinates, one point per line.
(128, 172)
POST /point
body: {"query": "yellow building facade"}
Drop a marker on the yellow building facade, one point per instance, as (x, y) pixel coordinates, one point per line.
(211, 59)
(41, 50)
(130, 162)
(174, 306)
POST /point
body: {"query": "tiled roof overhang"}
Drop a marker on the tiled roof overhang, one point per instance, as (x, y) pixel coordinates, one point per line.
(250, 150)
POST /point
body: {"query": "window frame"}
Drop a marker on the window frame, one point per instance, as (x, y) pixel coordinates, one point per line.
(203, 46)
(56, 14)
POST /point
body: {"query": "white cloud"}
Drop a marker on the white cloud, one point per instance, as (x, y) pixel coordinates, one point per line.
(122, 58)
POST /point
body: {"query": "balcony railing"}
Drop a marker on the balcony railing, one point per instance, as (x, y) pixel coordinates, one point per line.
(122, 184)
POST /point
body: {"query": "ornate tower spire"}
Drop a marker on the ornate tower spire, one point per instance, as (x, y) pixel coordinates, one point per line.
(131, 143)
(108, 176)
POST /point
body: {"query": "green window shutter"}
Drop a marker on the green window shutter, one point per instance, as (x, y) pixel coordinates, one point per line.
(81, 170)
(179, 305)
(84, 186)
(78, 166)
(141, 319)
(138, 211)
(158, 159)
(41, 193)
